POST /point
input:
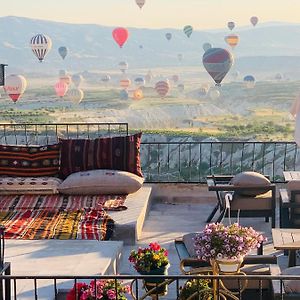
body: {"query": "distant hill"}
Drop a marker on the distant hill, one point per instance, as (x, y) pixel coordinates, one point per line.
(272, 46)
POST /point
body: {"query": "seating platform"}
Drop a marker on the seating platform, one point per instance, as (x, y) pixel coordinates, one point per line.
(59, 257)
(129, 223)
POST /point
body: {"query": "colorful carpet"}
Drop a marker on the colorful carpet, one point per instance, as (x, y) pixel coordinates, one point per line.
(59, 217)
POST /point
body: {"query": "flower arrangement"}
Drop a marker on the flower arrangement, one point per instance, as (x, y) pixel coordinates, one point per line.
(98, 289)
(150, 258)
(218, 241)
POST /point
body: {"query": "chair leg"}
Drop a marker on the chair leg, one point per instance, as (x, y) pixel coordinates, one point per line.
(221, 216)
(267, 219)
(212, 213)
(260, 250)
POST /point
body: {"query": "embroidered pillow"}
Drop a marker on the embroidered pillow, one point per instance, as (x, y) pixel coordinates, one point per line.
(113, 153)
(29, 161)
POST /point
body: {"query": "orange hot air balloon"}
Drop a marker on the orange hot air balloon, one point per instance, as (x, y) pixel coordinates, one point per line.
(61, 88)
(138, 94)
(232, 40)
(120, 35)
(125, 83)
(15, 86)
(162, 88)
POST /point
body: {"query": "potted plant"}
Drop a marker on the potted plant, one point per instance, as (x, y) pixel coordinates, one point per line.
(226, 245)
(196, 289)
(98, 289)
(152, 260)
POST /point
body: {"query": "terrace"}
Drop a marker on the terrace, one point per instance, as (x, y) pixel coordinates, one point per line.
(178, 202)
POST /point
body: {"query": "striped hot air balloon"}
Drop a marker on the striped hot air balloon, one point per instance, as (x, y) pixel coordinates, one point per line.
(139, 81)
(40, 44)
(162, 88)
(61, 88)
(232, 40)
(15, 86)
(138, 94)
(123, 65)
(188, 30)
(75, 95)
(125, 83)
(217, 62)
(105, 78)
(140, 3)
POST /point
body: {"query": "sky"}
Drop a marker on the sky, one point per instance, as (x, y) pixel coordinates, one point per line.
(201, 14)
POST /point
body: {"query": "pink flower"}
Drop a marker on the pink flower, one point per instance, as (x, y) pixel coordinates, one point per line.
(154, 246)
(111, 294)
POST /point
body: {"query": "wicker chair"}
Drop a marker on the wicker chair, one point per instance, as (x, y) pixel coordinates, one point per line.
(262, 205)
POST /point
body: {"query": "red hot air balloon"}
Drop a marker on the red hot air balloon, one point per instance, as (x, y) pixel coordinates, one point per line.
(61, 88)
(15, 86)
(120, 35)
(162, 88)
(217, 62)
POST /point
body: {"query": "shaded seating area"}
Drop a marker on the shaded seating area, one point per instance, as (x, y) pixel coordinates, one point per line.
(251, 201)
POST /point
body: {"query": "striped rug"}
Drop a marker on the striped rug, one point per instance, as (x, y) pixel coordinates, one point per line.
(59, 217)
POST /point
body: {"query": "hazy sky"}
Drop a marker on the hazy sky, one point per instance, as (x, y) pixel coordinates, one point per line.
(202, 14)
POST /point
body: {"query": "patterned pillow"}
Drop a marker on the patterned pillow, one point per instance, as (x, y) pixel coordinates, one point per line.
(29, 185)
(29, 161)
(113, 153)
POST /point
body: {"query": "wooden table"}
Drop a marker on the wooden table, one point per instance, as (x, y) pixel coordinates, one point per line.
(291, 175)
(287, 239)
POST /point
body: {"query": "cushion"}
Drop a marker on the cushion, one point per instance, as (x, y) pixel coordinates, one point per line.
(96, 182)
(29, 185)
(291, 286)
(251, 179)
(113, 153)
(29, 161)
(188, 240)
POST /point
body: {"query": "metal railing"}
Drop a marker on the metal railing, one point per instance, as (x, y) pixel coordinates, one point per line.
(243, 286)
(191, 162)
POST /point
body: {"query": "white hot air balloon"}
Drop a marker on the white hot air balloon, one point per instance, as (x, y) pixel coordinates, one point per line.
(77, 79)
(40, 45)
(75, 95)
(15, 86)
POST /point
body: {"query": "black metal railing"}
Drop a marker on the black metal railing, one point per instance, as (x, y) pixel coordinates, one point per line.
(244, 286)
(191, 162)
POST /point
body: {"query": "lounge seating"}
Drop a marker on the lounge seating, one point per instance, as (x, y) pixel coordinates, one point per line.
(261, 205)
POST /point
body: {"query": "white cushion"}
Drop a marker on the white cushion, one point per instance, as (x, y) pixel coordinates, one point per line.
(29, 185)
(250, 179)
(103, 182)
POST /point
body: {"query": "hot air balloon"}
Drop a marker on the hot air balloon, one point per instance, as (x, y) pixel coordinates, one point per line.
(125, 83)
(149, 76)
(254, 20)
(40, 44)
(278, 76)
(188, 30)
(168, 36)
(206, 46)
(138, 94)
(140, 3)
(124, 95)
(162, 88)
(139, 81)
(249, 81)
(75, 95)
(105, 78)
(180, 87)
(232, 40)
(120, 35)
(77, 79)
(61, 88)
(175, 78)
(15, 86)
(123, 65)
(180, 56)
(202, 92)
(66, 79)
(63, 51)
(214, 94)
(231, 25)
(141, 46)
(217, 62)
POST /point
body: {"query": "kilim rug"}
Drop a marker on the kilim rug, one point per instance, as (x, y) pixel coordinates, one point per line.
(59, 217)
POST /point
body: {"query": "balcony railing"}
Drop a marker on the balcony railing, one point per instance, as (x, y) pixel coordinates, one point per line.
(191, 162)
(244, 286)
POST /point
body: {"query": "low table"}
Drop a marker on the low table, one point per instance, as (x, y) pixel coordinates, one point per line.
(291, 175)
(287, 239)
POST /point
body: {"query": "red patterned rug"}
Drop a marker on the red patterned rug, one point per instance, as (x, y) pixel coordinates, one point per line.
(59, 217)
